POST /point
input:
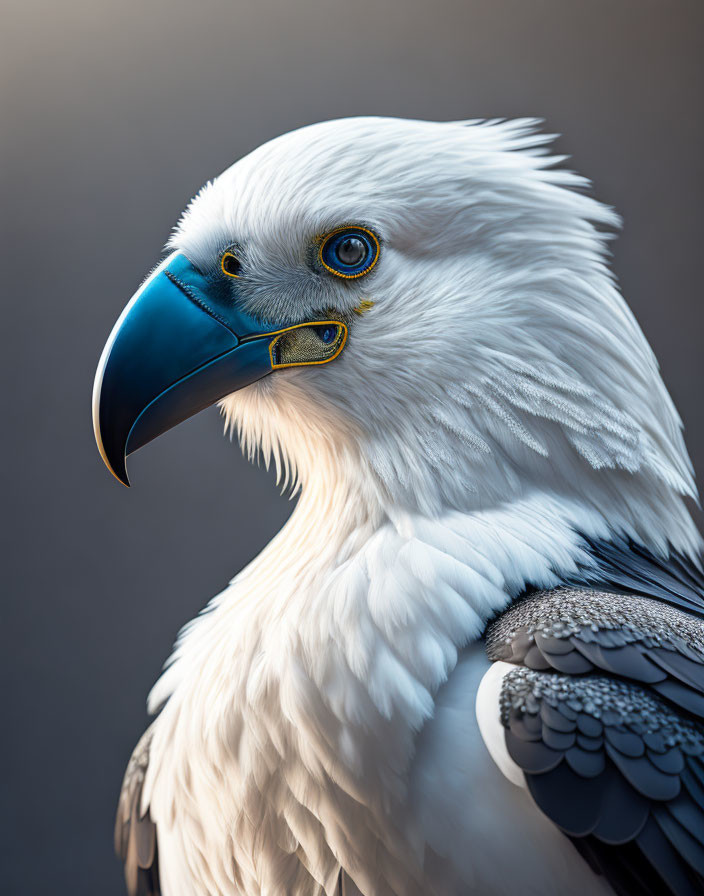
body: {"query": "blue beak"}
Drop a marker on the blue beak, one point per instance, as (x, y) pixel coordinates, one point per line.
(179, 346)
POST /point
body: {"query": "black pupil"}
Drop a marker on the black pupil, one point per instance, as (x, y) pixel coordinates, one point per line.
(231, 265)
(327, 334)
(351, 251)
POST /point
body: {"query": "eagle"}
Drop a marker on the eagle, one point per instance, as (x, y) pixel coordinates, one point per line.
(472, 661)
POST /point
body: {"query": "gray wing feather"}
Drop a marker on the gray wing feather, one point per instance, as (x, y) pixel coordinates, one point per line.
(620, 787)
(135, 833)
(604, 717)
(575, 631)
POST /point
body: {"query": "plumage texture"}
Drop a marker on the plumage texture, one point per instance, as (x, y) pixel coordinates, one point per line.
(135, 832)
(610, 763)
(495, 423)
(578, 632)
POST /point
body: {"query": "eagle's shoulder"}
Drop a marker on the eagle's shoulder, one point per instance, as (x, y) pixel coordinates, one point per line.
(601, 704)
(135, 832)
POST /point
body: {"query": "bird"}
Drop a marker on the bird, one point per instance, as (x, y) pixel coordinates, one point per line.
(472, 661)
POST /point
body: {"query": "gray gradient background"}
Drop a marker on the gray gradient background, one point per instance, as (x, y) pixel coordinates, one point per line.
(112, 115)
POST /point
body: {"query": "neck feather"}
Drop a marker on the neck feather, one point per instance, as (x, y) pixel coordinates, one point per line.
(388, 596)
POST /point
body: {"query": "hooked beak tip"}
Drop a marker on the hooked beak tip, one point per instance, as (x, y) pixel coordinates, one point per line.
(118, 470)
(117, 467)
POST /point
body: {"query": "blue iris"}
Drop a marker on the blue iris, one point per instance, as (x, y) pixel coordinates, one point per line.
(349, 252)
(327, 334)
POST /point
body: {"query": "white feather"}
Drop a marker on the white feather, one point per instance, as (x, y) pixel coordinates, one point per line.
(489, 721)
(497, 400)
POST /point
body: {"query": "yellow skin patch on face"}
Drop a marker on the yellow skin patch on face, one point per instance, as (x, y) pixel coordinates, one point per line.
(363, 306)
(324, 358)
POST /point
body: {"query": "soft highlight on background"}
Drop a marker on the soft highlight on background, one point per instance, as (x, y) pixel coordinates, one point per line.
(113, 114)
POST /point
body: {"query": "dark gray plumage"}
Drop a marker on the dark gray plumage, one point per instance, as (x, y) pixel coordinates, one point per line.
(621, 564)
(604, 718)
(576, 631)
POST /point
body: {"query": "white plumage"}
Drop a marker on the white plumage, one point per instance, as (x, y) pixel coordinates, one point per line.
(495, 405)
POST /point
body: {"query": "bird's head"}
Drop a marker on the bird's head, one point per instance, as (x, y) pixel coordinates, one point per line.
(426, 304)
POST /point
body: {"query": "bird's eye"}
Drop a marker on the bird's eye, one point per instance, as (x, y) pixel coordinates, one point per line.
(230, 264)
(349, 252)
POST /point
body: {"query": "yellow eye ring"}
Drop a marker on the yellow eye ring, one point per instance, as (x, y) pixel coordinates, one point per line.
(230, 264)
(331, 254)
